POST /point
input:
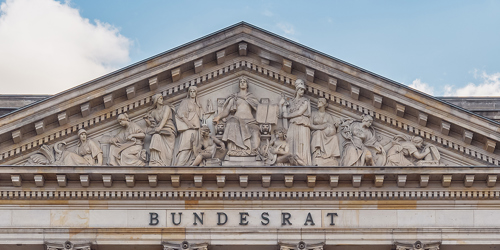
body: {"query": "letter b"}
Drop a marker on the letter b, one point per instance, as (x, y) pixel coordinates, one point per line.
(153, 219)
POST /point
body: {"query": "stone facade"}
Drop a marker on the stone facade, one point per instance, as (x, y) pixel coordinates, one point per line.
(246, 138)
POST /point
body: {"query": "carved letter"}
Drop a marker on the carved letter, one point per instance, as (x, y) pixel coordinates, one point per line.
(196, 217)
(218, 219)
(265, 217)
(285, 218)
(173, 219)
(331, 218)
(153, 219)
(309, 219)
(243, 219)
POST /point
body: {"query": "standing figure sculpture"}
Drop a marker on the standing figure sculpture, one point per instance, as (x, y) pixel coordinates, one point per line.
(88, 149)
(161, 126)
(299, 132)
(241, 132)
(126, 146)
(396, 155)
(189, 115)
(324, 140)
(361, 147)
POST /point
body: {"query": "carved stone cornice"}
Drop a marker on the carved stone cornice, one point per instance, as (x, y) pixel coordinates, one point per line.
(246, 38)
(185, 245)
(418, 245)
(346, 102)
(301, 246)
(68, 245)
(467, 176)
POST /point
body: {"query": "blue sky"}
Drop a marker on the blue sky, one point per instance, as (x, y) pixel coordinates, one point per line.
(436, 46)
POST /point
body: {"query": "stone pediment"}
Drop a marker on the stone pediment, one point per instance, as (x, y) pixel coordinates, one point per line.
(43, 132)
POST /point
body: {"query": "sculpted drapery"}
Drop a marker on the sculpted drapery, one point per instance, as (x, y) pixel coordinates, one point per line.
(88, 149)
(161, 126)
(87, 153)
(189, 114)
(324, 140)
(241, 132)
(361, 147)
(305, 139)
(403, 147)
(299, 133)
(126, 147)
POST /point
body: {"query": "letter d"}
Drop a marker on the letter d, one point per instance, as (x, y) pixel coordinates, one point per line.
(219, 223)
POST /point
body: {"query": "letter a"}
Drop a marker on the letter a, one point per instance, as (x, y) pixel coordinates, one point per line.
(309, 219)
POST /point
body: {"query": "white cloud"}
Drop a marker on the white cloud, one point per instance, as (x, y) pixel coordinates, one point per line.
(489, 87)
(47, 47)
(422, 86)
(286, 28)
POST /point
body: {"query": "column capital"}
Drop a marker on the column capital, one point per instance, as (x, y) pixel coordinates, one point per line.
(185, 245)
(301, 246)
(68, 245)
(418, 245)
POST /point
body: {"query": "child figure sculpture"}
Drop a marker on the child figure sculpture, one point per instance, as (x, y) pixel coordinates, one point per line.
(206, 146)
(278, 152)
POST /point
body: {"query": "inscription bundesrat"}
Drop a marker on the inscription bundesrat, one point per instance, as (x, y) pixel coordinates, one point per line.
(244, 218)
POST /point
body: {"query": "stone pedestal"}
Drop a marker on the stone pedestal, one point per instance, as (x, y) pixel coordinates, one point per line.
(242, 161)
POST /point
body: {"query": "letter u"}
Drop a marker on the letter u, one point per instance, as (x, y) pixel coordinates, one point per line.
(173, 219)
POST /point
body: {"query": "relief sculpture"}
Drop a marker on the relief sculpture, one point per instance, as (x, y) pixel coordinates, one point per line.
(431, 159)
(277, 152)
(241, 132)
(361, 146)
(48, 155)
(88, 153)
(188, 117)
(127, 146)
(404, 148)
(291, 134)
(89, 149)
(299, 133)
(161, 126)
(206, 149)
(324, 140)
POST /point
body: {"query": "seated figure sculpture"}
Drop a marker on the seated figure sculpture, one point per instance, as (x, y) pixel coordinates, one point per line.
(361, 146)
(88, 153)
(206, 147)
(126, 146)
(324, 140)
(241, 132)
(88, 149)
